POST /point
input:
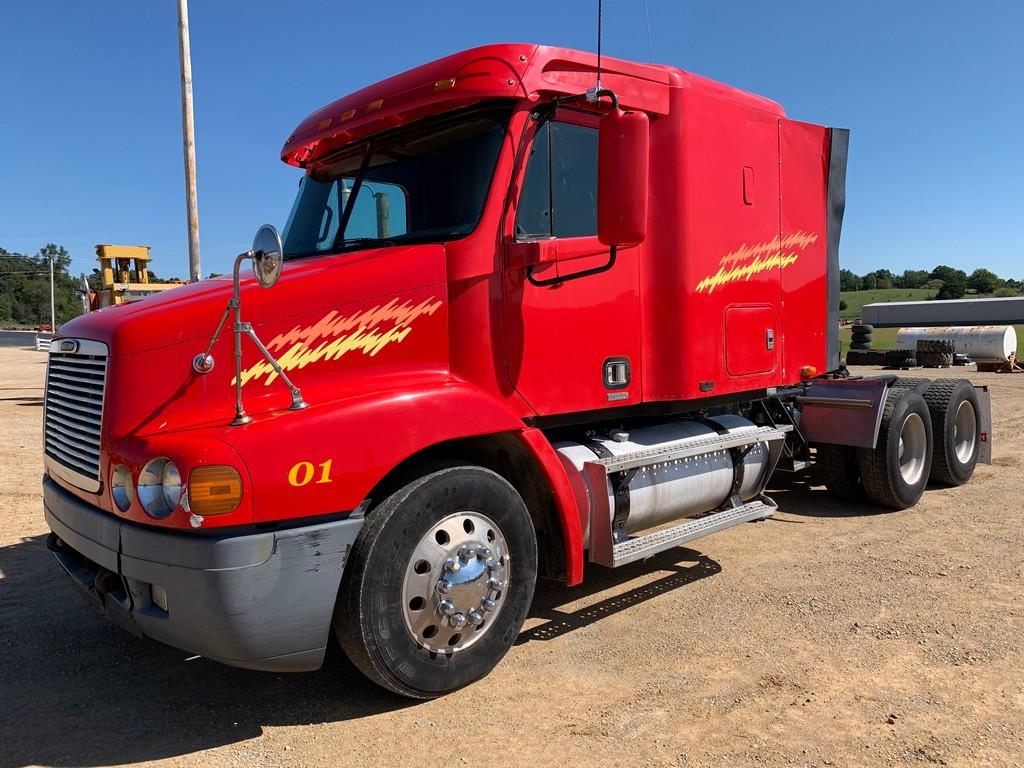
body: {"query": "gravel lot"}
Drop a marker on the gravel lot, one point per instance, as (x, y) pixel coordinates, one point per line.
(829, 635)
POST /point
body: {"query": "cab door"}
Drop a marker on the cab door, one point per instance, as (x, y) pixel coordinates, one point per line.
(572, 340)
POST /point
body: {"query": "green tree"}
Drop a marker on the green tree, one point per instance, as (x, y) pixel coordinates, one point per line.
(913, 278)
(884, 275)
(983, 280)
(848, 281)
(869, 282)
(947, 274)
(954, 288)
(25, 286)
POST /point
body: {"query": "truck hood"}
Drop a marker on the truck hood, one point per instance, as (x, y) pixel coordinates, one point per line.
(191, 312)
(338, 325)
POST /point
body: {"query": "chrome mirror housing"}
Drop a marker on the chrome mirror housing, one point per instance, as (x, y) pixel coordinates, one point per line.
(267, 256)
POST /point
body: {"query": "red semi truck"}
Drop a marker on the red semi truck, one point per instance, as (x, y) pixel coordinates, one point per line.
(530, 314)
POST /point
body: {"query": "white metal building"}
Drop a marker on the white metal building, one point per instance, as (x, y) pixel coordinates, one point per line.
(897, 314)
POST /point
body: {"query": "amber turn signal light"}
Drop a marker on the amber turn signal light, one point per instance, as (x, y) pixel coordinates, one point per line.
(214, 490)
(808, 372)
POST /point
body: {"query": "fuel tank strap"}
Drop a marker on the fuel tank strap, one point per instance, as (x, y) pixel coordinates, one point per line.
(620, 490)
(739, 466)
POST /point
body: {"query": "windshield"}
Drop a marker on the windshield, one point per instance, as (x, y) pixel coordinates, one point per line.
(425, 183)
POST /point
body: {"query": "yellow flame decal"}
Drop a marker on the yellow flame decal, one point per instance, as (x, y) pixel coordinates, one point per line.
(749, 260)
(334, 335)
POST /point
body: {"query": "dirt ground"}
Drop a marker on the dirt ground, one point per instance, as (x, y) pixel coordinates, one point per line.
(831, 635)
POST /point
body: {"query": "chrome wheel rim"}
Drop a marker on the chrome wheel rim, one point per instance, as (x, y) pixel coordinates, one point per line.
(913, 449)
(965, 431)
(455, 582)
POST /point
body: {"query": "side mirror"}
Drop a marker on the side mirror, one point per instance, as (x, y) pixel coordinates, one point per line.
(268, 255)
(623, 156)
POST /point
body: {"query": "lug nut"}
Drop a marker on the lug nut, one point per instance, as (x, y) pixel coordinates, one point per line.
(495, 584)
(446, 607)
(458, 621)
(475, 617)
(492, 562)
(465, 553)
(487, 604)
(452, 565)
(444, 587)
(483, 553)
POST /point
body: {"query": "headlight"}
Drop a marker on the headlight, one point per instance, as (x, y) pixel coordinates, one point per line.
(159, 487)
(121, 489)
(170, 482)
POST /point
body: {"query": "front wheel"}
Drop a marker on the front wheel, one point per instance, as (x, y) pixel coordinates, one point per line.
(439, 582)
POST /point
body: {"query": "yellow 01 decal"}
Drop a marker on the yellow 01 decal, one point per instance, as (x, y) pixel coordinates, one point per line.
(303, 473)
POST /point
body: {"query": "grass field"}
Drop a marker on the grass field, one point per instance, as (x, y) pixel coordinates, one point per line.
(857, 299)
(885, 338)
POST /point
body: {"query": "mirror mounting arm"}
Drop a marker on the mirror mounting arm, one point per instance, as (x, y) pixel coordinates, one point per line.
(267, 265)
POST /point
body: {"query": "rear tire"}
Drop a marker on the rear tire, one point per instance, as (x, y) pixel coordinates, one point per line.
(840, 471)
(860, 345)
(390, 617)
(953, 405)
(895, 472)
(862, 328)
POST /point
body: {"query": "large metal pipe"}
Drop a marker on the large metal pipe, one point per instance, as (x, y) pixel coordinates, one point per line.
(979, 342)
(671, 490)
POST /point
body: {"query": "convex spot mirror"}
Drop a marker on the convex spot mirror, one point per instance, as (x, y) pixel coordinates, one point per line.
(623, 157)
(267, 255)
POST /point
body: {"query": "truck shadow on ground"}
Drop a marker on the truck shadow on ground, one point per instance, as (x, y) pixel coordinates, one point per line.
(79, 691)
(803, 495)
(551, 596)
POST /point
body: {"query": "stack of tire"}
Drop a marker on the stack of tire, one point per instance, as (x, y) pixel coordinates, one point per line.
(861, 352)
(861, 336)
(901, 358)
(935, 353)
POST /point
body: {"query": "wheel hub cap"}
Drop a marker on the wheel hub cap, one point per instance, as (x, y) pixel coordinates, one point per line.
(965, 431)
(455, 582)
(913, 449)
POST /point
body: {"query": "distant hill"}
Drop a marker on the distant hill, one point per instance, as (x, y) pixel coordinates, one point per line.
(857, 299)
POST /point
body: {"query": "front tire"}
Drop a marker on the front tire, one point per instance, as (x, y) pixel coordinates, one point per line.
(439, 582)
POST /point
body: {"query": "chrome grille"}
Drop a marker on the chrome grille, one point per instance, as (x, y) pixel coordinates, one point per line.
(75, 382)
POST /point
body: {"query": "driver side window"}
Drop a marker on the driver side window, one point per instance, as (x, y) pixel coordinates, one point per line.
(559, 197)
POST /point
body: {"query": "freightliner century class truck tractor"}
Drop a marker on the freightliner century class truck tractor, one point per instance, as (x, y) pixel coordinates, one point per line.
(516, 321)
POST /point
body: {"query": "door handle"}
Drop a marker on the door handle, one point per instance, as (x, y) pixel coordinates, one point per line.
(574, 275)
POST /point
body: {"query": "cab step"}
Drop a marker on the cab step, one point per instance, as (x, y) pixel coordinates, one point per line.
(640, 547)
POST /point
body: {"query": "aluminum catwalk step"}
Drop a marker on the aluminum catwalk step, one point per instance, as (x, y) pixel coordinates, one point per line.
(609, 544)
(650, 544)
(686, 449)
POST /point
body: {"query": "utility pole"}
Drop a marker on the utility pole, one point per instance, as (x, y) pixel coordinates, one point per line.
(53, 313)
(188, 136)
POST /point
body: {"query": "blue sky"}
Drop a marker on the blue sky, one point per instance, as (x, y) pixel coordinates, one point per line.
(91, 129)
